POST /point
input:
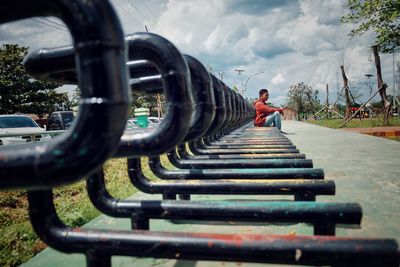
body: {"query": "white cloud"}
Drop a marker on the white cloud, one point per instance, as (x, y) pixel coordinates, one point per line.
(290, 41)
(278, 79)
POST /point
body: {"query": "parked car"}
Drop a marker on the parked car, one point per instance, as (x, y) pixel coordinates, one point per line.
(133, 124)
(23, 127)
(154, 120)
(60, 120)
(130, 124)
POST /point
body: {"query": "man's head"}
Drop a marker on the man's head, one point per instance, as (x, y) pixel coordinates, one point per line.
(264, 95)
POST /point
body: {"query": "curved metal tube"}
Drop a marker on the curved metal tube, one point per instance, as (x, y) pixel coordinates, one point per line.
(204, 101)
(99, 245)
(301, 189)
(100, 58)
(183, 154)
(226, 173)
(238, 163)
(228, 106)
(318, 214)
(175, 75)
(58, 64)
(220, 110)
(197, 149)
(149, 54)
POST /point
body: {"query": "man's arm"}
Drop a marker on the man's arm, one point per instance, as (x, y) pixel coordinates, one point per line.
(260, 107)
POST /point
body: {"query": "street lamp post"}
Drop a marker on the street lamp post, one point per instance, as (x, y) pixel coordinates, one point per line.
(239, 72)
(369, 82)
(244, 88)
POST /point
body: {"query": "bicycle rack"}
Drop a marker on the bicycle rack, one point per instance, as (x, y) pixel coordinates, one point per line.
(241, 173)
(104, 96)
(229, 123)
(323, 216)
(99, 245)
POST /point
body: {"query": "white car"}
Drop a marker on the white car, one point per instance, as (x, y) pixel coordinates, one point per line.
(22, 128)
(133, 124)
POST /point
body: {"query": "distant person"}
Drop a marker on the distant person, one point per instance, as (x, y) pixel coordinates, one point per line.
(265, 115)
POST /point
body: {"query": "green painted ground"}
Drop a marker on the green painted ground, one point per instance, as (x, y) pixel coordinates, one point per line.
(365, 169)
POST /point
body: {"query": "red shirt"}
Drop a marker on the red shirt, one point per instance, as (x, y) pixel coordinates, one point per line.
(262, 111)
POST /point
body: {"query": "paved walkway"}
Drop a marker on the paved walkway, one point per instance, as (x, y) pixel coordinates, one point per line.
(365, 168)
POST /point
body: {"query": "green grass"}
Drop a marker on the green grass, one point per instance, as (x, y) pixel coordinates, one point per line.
(397, 138)
(18, 242)
(356, 123)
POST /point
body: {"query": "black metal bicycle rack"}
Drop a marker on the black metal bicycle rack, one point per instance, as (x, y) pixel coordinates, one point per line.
(57, 163)
(207, 135)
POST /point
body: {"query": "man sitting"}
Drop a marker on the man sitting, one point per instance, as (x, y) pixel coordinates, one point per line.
(265, 115)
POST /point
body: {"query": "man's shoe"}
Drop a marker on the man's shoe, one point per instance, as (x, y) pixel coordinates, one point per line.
(282, 132)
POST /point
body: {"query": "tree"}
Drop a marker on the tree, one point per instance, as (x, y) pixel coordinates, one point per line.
(19, 93)
(303, 99)
(146, 100)
(382, 87)
(381, 16)
(75, 97)
(347, 113)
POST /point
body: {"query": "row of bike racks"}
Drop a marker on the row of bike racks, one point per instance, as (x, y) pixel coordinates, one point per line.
(207, 135)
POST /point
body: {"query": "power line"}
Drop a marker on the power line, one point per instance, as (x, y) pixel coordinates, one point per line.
(154, 21)
(156, 24)
(53, 22)
(137, 9)
(150, 11)
(49, 25)
(129, 14)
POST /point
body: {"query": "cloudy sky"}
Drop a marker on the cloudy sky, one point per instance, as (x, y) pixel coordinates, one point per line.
(287, 41)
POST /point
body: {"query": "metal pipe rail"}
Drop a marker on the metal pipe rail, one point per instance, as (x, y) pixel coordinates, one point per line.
(200, 148)
(100, 245)
(302, 190)
(224, 173)
(58, 64)
(51, 55)
(182, 153)
(238, 138)
(100, 57)
(323, 216)
(170, 64)
(203, 99)
(54, 70)
(271, 145)
(238, 163)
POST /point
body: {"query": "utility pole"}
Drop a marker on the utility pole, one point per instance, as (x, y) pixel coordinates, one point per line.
(327, 99)
(221, 75)
(327, 95)
(368, 75)
(239, 72)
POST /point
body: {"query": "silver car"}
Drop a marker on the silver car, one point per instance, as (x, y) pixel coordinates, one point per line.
(20, 129)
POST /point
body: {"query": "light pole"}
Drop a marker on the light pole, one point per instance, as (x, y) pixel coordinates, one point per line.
(369, 82)
(239, 72)
(247, 80)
